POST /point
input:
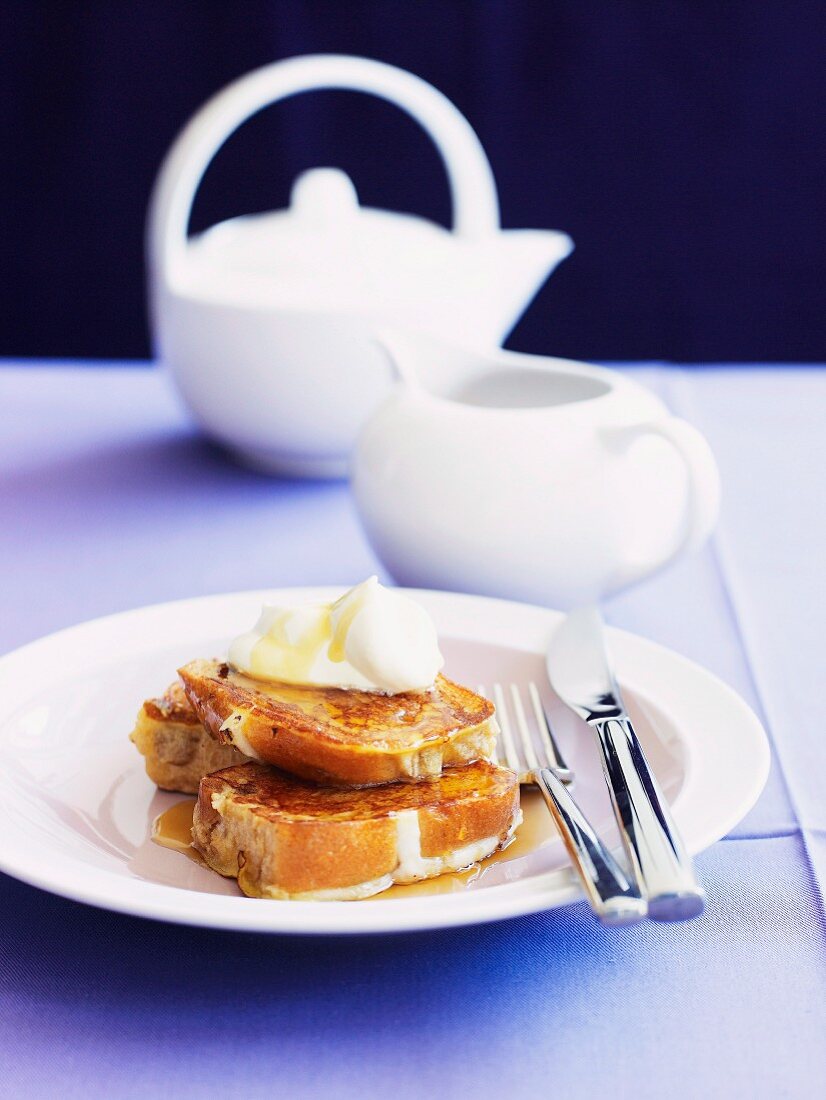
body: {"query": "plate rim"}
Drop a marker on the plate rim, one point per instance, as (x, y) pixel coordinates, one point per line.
(543, 892)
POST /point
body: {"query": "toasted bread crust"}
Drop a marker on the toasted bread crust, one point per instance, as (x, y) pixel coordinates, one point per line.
(177, 749)
(282, 837)
(351, 738)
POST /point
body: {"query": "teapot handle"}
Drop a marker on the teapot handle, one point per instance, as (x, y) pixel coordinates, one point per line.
(473, 190)
(703, 503)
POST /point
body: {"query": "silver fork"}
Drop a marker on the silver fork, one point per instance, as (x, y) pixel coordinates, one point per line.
(614, 898)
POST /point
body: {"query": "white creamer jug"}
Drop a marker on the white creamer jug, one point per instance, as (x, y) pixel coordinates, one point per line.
(527, 477)
(267, 321)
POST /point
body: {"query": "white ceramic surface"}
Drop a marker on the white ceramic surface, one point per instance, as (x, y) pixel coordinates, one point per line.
(527, 477)
(266, 322)
(78, 807)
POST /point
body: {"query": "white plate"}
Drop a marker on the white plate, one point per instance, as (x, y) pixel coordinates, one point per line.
(77, 806)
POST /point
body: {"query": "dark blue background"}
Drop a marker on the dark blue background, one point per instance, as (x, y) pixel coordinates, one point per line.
(681, 145)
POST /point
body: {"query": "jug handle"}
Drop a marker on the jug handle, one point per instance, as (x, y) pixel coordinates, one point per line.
(472, 186)
(703, 498)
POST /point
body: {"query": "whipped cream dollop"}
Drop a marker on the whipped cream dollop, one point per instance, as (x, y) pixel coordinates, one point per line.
(371, 639)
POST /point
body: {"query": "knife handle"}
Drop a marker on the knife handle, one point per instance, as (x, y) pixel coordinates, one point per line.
(656, 853)
(613, 898)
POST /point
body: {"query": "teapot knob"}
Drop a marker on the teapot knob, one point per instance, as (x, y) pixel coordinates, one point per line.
(324, 196)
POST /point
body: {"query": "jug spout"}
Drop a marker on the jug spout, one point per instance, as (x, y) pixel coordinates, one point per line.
(406, 352)
(431, 366)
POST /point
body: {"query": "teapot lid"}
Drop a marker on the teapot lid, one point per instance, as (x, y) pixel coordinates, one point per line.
(325, 249)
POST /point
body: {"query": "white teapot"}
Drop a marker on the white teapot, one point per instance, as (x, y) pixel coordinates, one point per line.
(267, 321)
(527, 477)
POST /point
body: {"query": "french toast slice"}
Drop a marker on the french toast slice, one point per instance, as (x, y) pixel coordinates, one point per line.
(337, 737)
(178, 750)
(285, 838)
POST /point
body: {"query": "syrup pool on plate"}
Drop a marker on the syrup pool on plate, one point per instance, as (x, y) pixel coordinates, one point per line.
(173, 829)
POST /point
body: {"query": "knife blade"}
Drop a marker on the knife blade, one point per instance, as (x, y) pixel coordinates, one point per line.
(582, 675)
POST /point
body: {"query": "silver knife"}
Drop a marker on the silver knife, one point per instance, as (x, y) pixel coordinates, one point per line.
(580, 673)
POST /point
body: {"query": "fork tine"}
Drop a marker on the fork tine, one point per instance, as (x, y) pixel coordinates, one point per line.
(528, 747)
(547, 736)
(511, 755)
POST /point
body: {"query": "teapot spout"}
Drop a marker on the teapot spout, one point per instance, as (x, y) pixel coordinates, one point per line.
(476, 293)
(524, 259)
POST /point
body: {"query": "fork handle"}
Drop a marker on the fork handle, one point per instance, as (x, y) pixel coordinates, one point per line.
(613, 898)
(652, 842)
